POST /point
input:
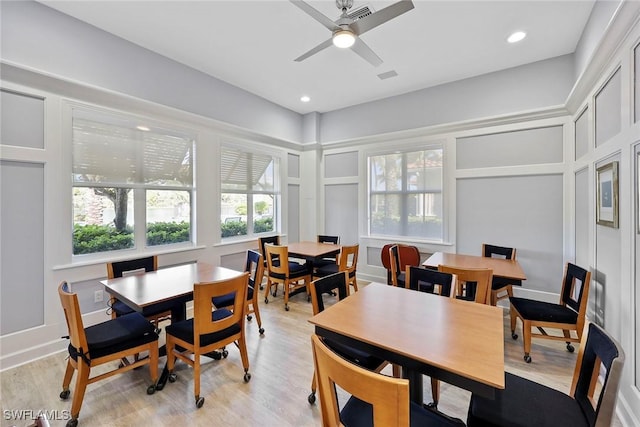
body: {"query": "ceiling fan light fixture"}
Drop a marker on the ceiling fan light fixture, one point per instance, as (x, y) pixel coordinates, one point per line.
(344, 39)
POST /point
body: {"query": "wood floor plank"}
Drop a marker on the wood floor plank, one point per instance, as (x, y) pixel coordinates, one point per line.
(281, 369)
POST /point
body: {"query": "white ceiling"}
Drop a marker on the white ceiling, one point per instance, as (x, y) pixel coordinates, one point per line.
(252, 44)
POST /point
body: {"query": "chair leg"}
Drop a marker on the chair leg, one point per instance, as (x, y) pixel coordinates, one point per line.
(312, 397)
(68, 375)
(397, 373)
(435, 392)
(286, 295)
(81, 386)
(355, 284)
(256, 312)
(242, 346)
(526, 339)
(196, 380)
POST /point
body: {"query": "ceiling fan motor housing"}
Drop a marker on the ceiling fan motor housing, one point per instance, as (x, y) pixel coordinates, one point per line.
(344, 5)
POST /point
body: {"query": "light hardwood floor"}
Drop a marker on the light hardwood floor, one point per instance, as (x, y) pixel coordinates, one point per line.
(281, 369)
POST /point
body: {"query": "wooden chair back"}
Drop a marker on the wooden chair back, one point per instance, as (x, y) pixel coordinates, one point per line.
(255, 267)
(348, 260)
(598, 350)
(73, 316)
(430, 281)
(575, 291)
(277, 259)
(325, 285)
(262, 241)
(119, 268)
(493, 251)
(328, 239)
(388, 396)
(480, 292)
(203, 294)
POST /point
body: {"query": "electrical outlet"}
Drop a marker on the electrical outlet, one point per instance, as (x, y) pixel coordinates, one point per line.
(97, 296)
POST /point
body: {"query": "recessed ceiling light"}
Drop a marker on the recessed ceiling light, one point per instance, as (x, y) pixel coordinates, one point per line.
(143, 128)
(305, 98)
(516, 37)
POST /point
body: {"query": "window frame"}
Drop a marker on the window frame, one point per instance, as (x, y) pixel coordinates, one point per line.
(249, 147)
(138, 190)
(403, 149)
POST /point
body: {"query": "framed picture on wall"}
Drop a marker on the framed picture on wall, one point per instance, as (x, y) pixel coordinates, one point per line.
(607, 195)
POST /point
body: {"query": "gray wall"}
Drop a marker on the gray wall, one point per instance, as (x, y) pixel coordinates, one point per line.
(538, 85)
(38, 37)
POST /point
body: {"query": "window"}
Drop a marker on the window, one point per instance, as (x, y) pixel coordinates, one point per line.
(126, 174)
(248, 193)
(405, 194)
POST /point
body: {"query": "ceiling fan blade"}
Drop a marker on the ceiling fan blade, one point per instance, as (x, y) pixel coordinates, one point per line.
(362, 49)
(315, 14)
(315, 50)
(363, 25)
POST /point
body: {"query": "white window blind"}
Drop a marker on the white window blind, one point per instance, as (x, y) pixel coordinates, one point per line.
(117, 154)
(242, 171)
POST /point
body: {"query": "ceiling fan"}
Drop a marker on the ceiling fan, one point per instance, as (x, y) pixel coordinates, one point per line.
(346, 30)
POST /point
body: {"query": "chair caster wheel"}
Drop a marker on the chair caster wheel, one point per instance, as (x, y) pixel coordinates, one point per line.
(527, 358)
(249, 318)
(261, 330)
(247, 377)
(225, 353)
(570, 348)
(64, 395)
(275, 294)
(266, 300)
(172, 378)
(514, 335)
(216, 355)
(261, 287)
(199, 402)
(151, 389)
(312, 398)
(286, 307)
(73, 422)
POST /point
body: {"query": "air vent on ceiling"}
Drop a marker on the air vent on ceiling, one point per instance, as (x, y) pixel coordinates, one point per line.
(387, 75)
(361, 13)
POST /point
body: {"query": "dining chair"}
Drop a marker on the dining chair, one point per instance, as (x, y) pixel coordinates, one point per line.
(432, 282)
(347, 261)
(321, 262)
(591, 400)
(408, 255)
(339, 281)
(375, 399)
(210, 329)
(401, 256)
(501, 287)
(567, 315)
(274, 240)
(154, 313)
(473, 284)
(281, 271)
(100, 344)
(255, 267)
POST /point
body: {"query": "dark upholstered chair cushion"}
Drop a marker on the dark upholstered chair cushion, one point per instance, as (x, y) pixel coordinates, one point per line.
(524, 403)
(121, 308)
(295, 270)
(501, 282)
(227, 300)
(356, 356)
(543, 311)
(357, 413)
(116, 335)
(184, 329)
(330, 269)
(402, 279)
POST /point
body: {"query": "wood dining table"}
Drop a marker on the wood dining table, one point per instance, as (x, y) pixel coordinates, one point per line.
(506, 268)
(174, 284)
(311, 251)
(459, 342)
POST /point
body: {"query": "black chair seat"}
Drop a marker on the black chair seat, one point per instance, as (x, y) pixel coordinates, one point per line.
(402, 279)
(122, 309)
(541, 311)
(116, 335)
(295, 270)
(501, 282)
(525, 403)
(357, 413)
(227, 300)
(330, 269)
(184, 329)
(354, 355)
